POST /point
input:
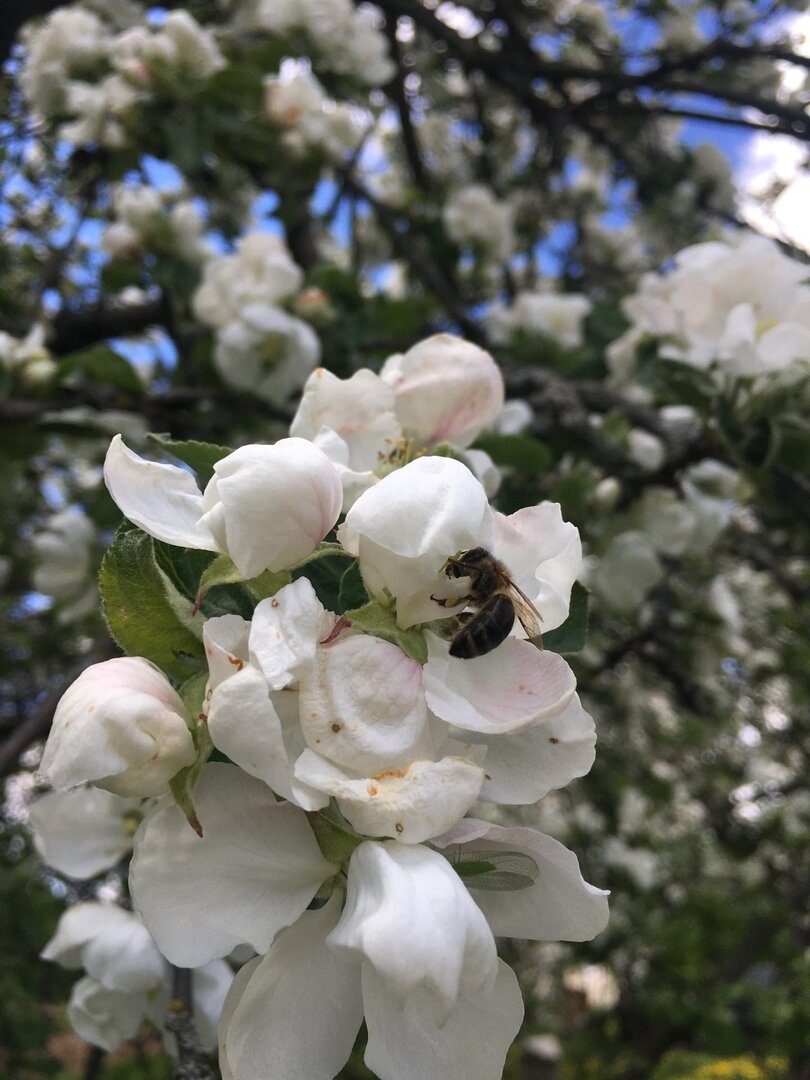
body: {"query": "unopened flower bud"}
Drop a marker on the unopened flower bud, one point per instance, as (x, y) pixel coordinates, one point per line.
(121, 726)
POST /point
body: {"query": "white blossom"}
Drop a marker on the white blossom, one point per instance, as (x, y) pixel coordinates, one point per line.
(474, 217)
(266, 351)
(261, 271)
(251, 508)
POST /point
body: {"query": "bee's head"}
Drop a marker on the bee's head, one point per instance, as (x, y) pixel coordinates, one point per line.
(463, 562)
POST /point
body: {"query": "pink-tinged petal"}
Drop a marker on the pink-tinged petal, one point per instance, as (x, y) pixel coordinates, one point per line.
(285, 632)
(447, 390)
(122, 726)
(295, 1013)
(409, 915)
(524, 766)
(410, 804)
(362, 705)
(409, 1044)
(163, 500)
(245, 725)
(255, 869)
(559, 906)
(511, 688)
(544, 556)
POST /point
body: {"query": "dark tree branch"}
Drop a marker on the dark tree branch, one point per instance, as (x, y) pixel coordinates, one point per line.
(74, 329)
(397, 92)
(192, 1061)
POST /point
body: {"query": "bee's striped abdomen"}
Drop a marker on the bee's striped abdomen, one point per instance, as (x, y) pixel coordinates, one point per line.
(486, 630)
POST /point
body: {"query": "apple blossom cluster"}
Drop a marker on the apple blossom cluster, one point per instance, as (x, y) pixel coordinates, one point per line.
(741, 306)
(558, 316)
(348, 40)
(663, 524)
(336, 833)
(475, 218)
(63, 563)
(310, 121)
(146, 219)
(27, 360)
(79, 66)
(259, 346)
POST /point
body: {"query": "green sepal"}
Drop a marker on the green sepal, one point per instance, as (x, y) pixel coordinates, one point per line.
(336, 838)
(381, 621)
(573, 634)
(326, 547)
(192, 693)
(223, 572)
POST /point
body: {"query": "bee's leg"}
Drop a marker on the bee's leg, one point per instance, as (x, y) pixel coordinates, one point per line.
(447, 602)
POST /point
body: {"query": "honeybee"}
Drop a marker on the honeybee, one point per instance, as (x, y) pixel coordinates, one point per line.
(496, 601)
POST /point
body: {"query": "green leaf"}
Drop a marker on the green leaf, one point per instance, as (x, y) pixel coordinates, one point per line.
(141, 612)
(101, 364)
(684, 382)
(572, 635)
(352, 592)
(185, 568)
(519, 451)
(374, 618)
(200, 456)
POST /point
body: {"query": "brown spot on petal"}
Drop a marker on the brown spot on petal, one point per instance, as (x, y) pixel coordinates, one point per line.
(337, 727)
(554, 740)
(397, 773)
(274, 602)
(373, 790)
(237, 663)
(399, 827)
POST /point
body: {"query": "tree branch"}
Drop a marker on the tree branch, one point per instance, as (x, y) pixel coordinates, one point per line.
(192, 1061)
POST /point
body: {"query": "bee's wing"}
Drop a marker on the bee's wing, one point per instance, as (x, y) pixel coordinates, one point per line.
(530, 617)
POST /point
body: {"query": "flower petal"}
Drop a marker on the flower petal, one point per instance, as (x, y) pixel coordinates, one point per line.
(544, 555)
(103, 1017)
(295, 1013)
(511, 688)
(112, 945)
(285, 632)
(254, 871)
(409, 915)
(81, 832)
(163, 500)
(362, 705)
(525, 765)
(411, 804)
(408, 1043)
(225, 638)
(559, 906)
(245, 725)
